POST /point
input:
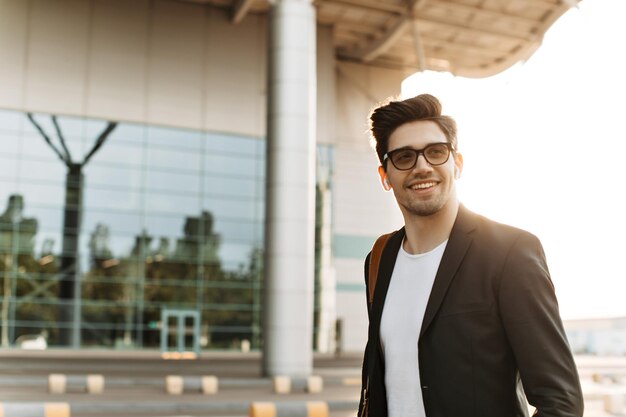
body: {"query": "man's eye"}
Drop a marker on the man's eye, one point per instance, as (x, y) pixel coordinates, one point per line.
(404, 156)
(437, 151)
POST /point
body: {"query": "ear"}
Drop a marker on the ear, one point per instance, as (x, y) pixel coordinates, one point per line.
(458, 165)
(384, 180)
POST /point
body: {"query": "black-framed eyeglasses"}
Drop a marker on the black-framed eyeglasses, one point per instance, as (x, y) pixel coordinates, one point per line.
(405, 159)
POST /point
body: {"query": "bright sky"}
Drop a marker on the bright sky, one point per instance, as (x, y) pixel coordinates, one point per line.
(544, 144)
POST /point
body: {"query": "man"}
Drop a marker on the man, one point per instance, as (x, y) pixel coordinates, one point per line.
(464, 320)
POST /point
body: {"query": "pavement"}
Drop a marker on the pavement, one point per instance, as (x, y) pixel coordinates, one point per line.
(135, 383)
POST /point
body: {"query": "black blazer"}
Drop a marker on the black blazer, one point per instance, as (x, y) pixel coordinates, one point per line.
(491, 321)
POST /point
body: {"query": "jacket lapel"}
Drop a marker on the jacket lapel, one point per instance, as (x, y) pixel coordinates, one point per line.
(458, 244)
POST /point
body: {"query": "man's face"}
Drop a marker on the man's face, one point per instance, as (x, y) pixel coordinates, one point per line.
(424, 189)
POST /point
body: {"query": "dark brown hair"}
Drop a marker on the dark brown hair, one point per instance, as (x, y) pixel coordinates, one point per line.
(385, 119)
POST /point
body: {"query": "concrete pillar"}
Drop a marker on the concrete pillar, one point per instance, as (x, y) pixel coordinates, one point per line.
(290, 190)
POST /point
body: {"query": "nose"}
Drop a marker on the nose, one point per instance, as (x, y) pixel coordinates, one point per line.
(422, 165)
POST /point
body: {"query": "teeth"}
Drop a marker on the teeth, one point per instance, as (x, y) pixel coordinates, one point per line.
(423, 185)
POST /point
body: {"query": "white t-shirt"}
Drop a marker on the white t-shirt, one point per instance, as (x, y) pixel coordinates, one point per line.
(405, 304)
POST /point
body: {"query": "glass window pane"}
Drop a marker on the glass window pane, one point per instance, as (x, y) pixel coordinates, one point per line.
(118, 199)
(43, 194)
(93, 128)
(34, 145)
(221, 144)
(234, 208)
(52, 172)
(9, 142)
(163, 203)
(170, 227)
(173, 182)
(10, 121)
(115, 221)
(174, 138)
(236, 231)
(235, 255)
(118, 154)
(244, 187)
(49, 217)
(71, 127)
(230, 165)
(128, 134)
(8, 168)
(117, 177)
(175, 159)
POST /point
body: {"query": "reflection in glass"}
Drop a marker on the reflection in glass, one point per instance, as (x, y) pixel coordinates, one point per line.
(169, 219)
(69, 275)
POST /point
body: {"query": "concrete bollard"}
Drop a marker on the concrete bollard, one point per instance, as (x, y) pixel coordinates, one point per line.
(179, 356)
(8, 409)
(245, 346)
(304, 409)
(351, 381)
(281, 384)
(314, 384)
(95, 384)
(614, 403)
(209, 385)
(57, 383)
(176, 384)
(61, 383)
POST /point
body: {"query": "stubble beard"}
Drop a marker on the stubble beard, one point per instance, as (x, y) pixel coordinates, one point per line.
(425, 208)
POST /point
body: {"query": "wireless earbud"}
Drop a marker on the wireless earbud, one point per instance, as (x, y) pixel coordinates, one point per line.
(386, 184)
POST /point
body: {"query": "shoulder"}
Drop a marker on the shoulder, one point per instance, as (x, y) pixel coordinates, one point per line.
(514, 255)
(496, 233)
(499, 242)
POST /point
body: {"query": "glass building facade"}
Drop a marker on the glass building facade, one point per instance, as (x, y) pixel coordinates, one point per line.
(102, 231)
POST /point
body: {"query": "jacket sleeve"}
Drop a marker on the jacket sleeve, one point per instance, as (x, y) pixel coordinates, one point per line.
(365, 353)
(531, 319)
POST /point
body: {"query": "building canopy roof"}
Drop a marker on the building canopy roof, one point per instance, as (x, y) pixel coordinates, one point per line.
(471, 38)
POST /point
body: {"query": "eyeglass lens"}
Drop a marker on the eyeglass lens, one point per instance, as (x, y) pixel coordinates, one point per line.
(435, 154)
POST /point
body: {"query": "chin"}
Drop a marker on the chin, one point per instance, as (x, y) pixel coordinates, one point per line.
(425, 209)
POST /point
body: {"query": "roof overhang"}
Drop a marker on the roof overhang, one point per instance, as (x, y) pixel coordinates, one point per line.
(471, 38)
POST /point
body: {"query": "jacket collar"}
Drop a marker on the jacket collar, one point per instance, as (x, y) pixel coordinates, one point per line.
(458, 243)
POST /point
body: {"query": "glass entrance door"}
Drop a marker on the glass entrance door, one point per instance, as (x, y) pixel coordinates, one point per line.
(180, 331)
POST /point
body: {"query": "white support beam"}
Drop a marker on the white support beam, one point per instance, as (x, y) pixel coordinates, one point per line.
(391, 35)
(353, 32)
(240, 9)
(476, 31)
(384, 42)
(367, 5)
(419, 47)
(487, 13)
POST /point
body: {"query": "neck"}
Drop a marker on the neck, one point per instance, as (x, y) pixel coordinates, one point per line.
(424, 233)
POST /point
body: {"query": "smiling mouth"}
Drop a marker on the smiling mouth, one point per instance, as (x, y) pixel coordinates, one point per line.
(423, 186)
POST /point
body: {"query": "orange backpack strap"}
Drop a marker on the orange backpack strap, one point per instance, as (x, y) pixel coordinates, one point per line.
(377, 251)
